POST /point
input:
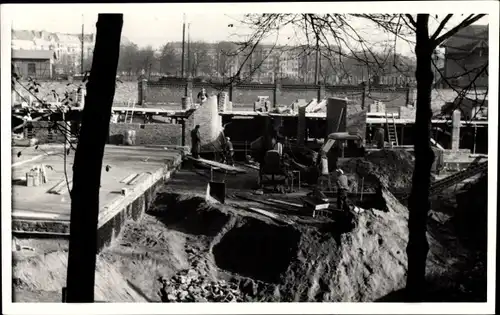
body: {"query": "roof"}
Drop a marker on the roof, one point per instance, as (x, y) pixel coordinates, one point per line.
(467, 37)
(22, 35)
(32, 54)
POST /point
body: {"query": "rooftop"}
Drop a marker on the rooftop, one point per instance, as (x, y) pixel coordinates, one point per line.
(467, 37)
(32, 54)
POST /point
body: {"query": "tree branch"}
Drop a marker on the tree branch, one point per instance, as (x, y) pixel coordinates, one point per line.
(466, 22)
(441, 26)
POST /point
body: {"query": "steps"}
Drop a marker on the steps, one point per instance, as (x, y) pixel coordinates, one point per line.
(391, 129)
(456, 178)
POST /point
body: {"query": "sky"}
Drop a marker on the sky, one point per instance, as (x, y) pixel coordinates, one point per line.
(156, 24)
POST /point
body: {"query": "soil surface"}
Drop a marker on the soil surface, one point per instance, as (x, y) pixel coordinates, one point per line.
(185, 249)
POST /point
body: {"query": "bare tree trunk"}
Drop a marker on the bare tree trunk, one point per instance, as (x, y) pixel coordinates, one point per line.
(419, 204)
(88, 160)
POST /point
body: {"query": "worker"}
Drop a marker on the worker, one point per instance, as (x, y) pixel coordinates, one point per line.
(342, 189)
(196, 142)
(380, 138)
(229, 150)
(202, 96)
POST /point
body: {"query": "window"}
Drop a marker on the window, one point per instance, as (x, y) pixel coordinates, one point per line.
(31, 69)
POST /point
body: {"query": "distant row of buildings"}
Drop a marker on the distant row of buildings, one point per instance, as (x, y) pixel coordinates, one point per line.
(43, 54)
(63, 52)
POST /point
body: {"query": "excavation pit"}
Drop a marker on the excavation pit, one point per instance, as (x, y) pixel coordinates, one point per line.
(257, 250)
(188, 214)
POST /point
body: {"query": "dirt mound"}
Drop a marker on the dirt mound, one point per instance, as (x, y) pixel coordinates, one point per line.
(47, 273)
(362, 265)
(273, 262)
(391, 168)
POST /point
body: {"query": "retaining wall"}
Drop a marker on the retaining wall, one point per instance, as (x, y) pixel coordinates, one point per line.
(147, 134)
(245, 94)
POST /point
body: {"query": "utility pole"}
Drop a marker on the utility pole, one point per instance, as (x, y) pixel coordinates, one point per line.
(188, 51)
(316, 73)
(81, 61)
(183, 43)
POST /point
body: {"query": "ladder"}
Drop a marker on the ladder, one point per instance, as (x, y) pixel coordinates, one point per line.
(391, 130)
(456, 178)
(130, 103)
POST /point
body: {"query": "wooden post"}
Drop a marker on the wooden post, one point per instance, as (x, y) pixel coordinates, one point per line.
(231, 91)
(183, 130)
(276, 92)
(407, 94)
(363, 95)
(474, 145)
(402, 134)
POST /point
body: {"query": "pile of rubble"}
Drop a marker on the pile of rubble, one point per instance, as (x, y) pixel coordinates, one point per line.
(190, 286)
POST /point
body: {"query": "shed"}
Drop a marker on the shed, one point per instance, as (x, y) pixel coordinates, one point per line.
(33, 63)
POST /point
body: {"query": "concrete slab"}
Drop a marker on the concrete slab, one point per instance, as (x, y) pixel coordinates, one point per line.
(37, 204)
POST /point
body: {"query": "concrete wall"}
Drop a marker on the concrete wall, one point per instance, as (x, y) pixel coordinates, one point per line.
(147, 134)
(356, 120)
(335, 115)
(159, 93)
(244, 95)
(288, 95)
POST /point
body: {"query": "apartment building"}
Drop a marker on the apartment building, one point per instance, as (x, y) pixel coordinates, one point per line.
(466, 54)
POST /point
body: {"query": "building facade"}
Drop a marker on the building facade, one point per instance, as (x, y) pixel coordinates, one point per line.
(466, 57)
(37, 64)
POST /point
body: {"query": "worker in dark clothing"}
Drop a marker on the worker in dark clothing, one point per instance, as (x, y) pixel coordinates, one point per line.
(202, 95)
(380, 138)
(196, 142)
(229, 152)
(342, 189)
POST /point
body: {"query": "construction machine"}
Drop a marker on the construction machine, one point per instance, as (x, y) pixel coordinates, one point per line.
(276, 164)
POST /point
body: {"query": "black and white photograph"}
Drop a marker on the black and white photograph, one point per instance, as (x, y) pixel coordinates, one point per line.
(238, 157)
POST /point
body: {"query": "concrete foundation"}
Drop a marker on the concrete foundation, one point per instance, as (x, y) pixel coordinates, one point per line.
(50, 213)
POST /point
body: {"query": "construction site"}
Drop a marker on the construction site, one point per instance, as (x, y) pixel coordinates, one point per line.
(206, 203)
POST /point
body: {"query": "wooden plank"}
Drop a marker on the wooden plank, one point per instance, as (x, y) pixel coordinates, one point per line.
(129, 178)
(57, 186)
(138, 178)
(271, 215)
(261, 202)
(286, 203)
(61, 187)
(217, 164)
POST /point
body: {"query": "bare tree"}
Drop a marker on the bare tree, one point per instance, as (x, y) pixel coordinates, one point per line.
(88, 160)
(169, 59)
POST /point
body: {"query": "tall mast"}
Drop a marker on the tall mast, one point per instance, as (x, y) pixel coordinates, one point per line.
(183, 44)
(81, 61)
(316, 72)
(188, 50)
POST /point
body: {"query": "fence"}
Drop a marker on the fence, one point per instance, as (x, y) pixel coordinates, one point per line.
(243, 95)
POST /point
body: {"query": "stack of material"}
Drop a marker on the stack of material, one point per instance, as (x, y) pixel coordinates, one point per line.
(311, 105)
(223, 101)
(186, 102)
(36, 176)
(377, 107)
(320, 106)
(190, 286)
(262, 104)
(129, 137)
